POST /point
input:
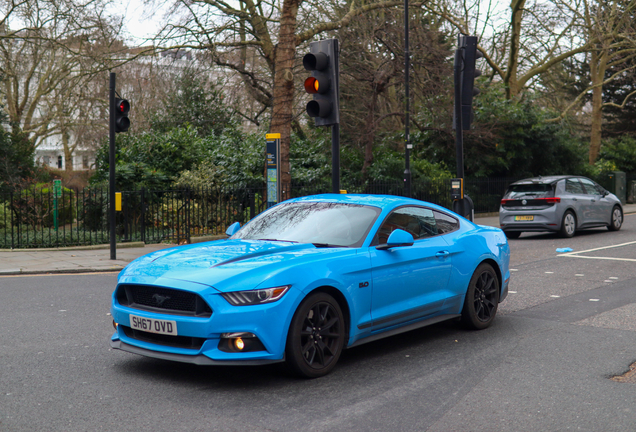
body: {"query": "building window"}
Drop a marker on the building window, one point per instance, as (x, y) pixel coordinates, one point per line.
(47, 160)
(59, 162)
(85, 162)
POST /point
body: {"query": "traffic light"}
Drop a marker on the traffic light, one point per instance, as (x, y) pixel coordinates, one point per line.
(122, 122)
(467, 55)
(323, 83)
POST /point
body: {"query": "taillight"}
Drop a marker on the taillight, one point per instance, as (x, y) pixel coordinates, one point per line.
(553, 200)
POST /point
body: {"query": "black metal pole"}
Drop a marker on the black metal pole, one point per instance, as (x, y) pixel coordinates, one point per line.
(459, 133)
(111, 169)
(407, 138)
(335, 158)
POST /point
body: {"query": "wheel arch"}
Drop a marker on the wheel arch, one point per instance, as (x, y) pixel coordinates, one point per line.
(497, 269)
(576, 216)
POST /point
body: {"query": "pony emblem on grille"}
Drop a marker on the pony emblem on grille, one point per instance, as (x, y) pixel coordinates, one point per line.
(159, 299)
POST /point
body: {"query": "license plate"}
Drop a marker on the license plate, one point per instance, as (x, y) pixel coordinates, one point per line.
(524, 218)
(152, 325)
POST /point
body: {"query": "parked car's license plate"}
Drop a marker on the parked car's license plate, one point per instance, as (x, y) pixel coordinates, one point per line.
(152, 325)
(524, 218)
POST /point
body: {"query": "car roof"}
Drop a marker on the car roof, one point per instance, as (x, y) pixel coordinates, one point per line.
(544, 179)
(382, 201)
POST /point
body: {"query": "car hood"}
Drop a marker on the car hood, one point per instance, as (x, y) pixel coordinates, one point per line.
(227, 265)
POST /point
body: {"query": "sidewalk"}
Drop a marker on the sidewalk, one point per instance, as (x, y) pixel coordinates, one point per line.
(91, 259)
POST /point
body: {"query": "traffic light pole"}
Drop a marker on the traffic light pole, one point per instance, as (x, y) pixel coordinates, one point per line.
(335, 158)
(459, 130)
(111, 169)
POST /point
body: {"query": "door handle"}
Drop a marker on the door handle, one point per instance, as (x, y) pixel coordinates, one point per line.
(593, 200)
(574, 199)
(442, 254)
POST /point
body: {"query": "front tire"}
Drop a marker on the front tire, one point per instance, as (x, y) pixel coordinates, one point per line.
(568, 225)
(316, 336)
(482, 298)
(616, 219)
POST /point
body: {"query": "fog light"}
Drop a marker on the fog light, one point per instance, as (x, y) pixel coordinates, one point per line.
(240, 342)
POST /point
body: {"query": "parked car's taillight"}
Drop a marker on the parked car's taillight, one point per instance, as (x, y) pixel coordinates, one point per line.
(552, 200)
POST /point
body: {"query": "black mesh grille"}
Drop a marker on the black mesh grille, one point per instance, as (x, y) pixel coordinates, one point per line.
(164, 300)
(159, 339)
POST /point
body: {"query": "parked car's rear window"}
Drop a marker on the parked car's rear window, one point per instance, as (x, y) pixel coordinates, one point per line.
(538, 190)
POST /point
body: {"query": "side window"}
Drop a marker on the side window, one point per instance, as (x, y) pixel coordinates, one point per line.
(417, 221)
(445, 223)
(573, 186)
(590, 187)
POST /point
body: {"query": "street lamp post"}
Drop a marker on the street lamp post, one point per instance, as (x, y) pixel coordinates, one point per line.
(407, 138)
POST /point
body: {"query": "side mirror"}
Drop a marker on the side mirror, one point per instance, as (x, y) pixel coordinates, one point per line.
(232, 229)
(398, 238)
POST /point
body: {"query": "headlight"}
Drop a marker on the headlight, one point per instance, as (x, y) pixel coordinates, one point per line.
(254, 297)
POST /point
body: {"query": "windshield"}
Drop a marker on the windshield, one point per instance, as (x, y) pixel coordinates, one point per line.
(538, 190)
(322, 223)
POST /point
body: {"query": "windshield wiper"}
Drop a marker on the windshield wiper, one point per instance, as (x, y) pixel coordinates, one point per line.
(326, 245)
(288, 241)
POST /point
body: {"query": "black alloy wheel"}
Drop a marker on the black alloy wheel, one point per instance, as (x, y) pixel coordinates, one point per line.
(616, 219)
(316, 336)
(482, 298)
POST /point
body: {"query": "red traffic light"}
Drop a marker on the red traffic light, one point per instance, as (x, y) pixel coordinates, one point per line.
(122, 122)
(123, 106)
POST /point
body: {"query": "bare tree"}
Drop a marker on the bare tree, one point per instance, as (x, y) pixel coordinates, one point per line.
(258, 40)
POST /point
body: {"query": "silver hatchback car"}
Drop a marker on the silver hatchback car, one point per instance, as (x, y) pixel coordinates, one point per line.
(563, 204)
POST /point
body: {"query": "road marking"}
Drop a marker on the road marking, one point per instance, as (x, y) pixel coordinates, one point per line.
(512, 292)
(555, 296)
(594, 299)
(601, 258)
(612, 277)
(599, 248)
(579, 275)
(549, 272)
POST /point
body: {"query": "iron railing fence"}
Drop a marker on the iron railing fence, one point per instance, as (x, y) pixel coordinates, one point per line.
(35, 217)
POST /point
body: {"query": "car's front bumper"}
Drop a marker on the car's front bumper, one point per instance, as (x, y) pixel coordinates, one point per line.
(198, 359)
(268, 322)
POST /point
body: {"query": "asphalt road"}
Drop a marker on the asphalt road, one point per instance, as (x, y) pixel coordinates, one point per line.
(566, 328)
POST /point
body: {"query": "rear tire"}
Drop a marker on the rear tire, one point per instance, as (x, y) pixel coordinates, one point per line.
(482, 298)
(512, 234)
(616, 219)
(568, 225)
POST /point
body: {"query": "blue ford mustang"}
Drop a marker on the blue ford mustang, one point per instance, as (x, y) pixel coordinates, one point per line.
(308, 278)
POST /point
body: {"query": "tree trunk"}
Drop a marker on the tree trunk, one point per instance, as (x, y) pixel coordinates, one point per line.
(598, 66)
(68, 151)
(510, 78)
(284, 89)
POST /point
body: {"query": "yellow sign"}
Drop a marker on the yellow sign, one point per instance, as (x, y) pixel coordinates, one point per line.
(272, 136)
(117, 201)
